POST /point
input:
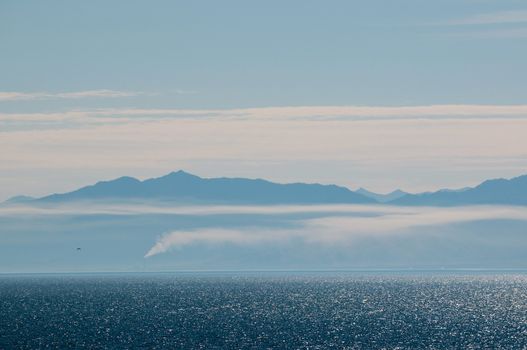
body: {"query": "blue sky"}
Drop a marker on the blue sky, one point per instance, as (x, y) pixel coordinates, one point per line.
(161, 70)
(247, 54)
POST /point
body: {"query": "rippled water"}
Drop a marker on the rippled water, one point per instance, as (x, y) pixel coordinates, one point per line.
(303, 310)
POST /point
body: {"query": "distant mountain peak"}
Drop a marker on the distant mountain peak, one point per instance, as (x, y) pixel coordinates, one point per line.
(181, 173)
(174, 177)
(125, 179)
(382, 198)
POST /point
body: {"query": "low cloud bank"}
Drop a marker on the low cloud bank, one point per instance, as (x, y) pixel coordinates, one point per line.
(340, 229)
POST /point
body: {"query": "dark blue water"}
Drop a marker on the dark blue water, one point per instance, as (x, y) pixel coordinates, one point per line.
(303, 310)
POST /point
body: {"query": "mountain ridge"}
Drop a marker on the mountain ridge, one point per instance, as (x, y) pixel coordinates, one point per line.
(495, 191)
(382, 198)
(184, 187)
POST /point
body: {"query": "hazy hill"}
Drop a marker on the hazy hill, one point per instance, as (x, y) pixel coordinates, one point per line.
(381, 198)
(497, 191)
(184, 187)
(19, 200)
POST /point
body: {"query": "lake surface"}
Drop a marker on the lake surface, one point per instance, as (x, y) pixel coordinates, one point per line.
(264, 310)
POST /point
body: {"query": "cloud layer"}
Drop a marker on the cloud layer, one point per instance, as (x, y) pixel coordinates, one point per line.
(500, 17)
(102, 93)
(349, 113)
(340, 225)
(340, 229)
(355, 145)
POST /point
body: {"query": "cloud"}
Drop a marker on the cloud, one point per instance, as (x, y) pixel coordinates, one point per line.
(340, 225)
(387, 111)
(260, 139)
(495, 25)
(492, 34)
(78, 208)
(353, 151)
(343, 229)
(344, 113)
(25, 96)
(422, 147)
(501, 17)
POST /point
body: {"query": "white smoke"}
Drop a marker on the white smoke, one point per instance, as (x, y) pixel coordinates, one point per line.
(181, 238)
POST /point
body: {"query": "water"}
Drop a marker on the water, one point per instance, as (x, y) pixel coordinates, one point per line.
(273, 310)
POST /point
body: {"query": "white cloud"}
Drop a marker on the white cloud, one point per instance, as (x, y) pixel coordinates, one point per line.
(341, 229)
(500, 17)
(370, 149)
(79, 208)
(260, 139)
(386, 111)
(495, 25)
(103, 93)
(322, 113)
(332, 224)
(492, 34)
(280, 113)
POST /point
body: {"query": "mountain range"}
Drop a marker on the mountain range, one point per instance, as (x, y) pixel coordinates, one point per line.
(183, 187)
(496, 191)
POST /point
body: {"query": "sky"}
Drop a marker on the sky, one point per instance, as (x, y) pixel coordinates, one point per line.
(417, 95)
